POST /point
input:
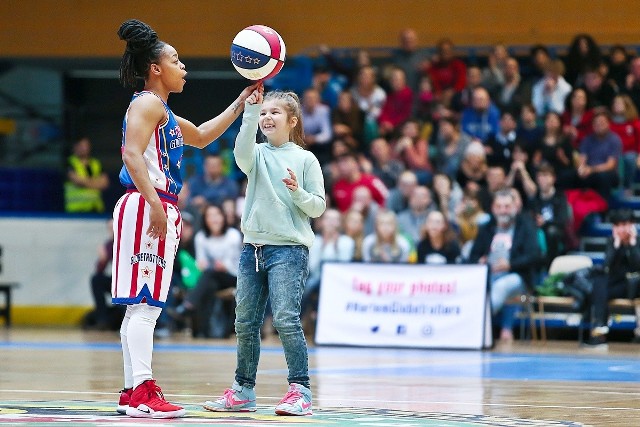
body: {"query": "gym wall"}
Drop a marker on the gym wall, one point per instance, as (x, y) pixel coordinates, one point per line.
(204, 28)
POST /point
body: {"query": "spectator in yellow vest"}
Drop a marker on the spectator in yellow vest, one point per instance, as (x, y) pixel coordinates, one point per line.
(85, 180)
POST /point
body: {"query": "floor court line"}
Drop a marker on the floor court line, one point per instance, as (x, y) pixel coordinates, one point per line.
(182, 398)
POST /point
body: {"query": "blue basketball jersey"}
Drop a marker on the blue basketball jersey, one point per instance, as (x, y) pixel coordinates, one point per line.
(162, 156)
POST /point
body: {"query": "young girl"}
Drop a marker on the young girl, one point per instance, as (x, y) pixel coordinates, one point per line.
(285, 189)
(147, 222)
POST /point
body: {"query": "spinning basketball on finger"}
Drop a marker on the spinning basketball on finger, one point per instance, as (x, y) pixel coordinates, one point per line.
(258, 52)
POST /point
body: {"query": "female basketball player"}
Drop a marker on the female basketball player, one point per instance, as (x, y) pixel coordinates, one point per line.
(147, 222)
(285, 188)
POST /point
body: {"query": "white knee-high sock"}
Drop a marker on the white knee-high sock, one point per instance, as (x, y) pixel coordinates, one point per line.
(140, 341)
(128, 373)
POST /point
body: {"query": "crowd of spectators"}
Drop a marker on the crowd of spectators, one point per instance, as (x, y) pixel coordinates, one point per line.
(438, 159)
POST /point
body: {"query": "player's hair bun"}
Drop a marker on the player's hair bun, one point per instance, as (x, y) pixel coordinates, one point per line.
(139, 36)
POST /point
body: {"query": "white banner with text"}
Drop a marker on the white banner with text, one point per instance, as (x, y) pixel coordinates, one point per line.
(404, 305)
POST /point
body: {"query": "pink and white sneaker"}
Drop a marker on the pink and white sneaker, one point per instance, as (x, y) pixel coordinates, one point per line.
(235, 399)
(297, 401)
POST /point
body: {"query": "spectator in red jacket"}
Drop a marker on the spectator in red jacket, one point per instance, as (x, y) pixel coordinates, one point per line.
(398, 106)
(447, 73)
(349, 178)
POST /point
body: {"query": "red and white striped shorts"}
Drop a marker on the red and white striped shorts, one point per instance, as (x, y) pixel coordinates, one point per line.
(142, 266)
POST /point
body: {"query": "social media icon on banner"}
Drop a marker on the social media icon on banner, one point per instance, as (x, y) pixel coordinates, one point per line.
(401, 329)
(375, 329)
(427, 330)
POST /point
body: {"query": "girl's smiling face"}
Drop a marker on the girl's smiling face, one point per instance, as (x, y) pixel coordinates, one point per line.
(275, 123)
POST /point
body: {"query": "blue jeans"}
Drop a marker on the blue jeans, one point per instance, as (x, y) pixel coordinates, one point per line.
(505, 286)
(280, 276)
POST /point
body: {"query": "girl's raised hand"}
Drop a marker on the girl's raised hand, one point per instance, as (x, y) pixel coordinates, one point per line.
(249, 90)
(257, 95)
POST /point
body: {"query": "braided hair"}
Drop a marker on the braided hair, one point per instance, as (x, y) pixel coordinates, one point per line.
(143, 49)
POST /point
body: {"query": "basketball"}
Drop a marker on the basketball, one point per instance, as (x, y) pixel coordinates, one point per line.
(258, 52)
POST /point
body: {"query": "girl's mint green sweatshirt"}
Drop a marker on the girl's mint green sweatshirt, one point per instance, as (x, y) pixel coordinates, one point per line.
(273, 214)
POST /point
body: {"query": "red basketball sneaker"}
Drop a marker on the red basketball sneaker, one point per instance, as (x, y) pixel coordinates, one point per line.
(123, 403)
(147, 401)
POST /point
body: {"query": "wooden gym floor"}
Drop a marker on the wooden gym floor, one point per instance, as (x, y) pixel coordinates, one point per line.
(64, 376)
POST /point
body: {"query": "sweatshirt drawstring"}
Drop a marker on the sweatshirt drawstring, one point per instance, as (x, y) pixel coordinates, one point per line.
(255, 254)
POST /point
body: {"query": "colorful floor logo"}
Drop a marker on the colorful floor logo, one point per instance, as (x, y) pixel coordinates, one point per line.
(70, 413)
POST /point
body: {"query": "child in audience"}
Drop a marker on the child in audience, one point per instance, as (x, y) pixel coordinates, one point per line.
(386, 245)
